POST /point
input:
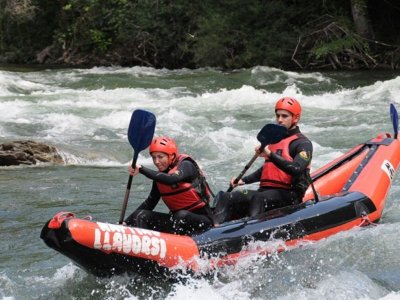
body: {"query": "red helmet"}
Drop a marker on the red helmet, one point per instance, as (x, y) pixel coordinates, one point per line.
(290, 104)
(164, 144)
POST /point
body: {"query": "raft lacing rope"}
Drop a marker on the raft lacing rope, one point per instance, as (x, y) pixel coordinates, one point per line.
(366, 221)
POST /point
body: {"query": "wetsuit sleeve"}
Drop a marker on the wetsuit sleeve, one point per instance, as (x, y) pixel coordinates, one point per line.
(253, 177)
(152, 200)
(186, 172)
(301, 151)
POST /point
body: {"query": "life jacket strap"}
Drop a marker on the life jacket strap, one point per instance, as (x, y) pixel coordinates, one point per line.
(189, 207)
(276, 183)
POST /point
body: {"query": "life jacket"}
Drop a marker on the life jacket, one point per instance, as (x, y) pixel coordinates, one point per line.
(271, 175)
(185, 195)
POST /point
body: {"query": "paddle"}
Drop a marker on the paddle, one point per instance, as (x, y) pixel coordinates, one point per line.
(269, 134)
(140, 134)
(395, 119)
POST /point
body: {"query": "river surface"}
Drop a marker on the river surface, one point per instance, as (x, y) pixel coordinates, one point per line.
(215, 117)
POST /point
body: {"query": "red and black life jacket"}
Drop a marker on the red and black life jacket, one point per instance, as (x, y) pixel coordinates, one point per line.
(185, 195)
(271, 175)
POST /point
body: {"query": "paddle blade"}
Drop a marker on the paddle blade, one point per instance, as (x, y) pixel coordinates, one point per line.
(141, 129)
(395, 119)
(271, 134)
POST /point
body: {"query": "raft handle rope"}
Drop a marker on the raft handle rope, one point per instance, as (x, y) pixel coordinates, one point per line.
(366, 221)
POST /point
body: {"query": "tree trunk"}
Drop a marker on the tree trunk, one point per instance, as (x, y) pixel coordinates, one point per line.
(361, 19)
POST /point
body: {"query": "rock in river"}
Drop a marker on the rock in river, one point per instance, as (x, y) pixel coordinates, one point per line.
(28, 153)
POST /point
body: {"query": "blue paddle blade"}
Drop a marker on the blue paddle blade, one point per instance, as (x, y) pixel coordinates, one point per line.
(271, 134)
(141, 129)
(395, 119)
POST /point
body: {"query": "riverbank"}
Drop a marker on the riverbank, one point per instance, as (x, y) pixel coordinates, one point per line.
(229, 35)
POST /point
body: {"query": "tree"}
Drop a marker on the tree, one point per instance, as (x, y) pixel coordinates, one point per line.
(359, 10)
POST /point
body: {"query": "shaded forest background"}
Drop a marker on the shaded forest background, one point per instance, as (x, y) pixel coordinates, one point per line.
(228, 34)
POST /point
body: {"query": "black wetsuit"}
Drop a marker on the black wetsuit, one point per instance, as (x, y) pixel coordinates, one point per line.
(251, 203)
(181, 221)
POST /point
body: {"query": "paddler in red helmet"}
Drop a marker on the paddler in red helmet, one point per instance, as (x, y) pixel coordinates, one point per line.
(180, 183)
(284, 175)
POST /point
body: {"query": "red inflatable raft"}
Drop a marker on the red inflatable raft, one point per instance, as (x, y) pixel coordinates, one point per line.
(352, 192)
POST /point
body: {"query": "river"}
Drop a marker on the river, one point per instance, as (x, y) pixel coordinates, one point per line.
(214, 116)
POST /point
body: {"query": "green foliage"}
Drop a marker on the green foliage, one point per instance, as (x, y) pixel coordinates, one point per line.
(322, 49)
(236, 34)
(99, 38)
(25, 28)
(177, 33)
(86, 26)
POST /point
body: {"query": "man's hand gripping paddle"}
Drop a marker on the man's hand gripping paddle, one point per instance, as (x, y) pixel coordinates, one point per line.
(269, 134)
(140, 134)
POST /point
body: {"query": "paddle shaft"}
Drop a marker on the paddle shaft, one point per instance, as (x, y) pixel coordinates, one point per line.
(269, 134)
(246, 167)
(243, 171)
(128, 189)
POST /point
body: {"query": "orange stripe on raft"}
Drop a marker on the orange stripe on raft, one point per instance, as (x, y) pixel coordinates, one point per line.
(169, 250)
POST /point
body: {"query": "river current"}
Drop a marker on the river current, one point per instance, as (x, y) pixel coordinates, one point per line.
(214, 116)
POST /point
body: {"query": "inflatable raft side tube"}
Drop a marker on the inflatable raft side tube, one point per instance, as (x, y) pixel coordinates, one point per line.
(166, 249)
(332, 180)
(343, 159)
(375, 179)
(95, 261)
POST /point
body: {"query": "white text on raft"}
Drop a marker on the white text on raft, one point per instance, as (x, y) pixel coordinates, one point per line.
(117, 238)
